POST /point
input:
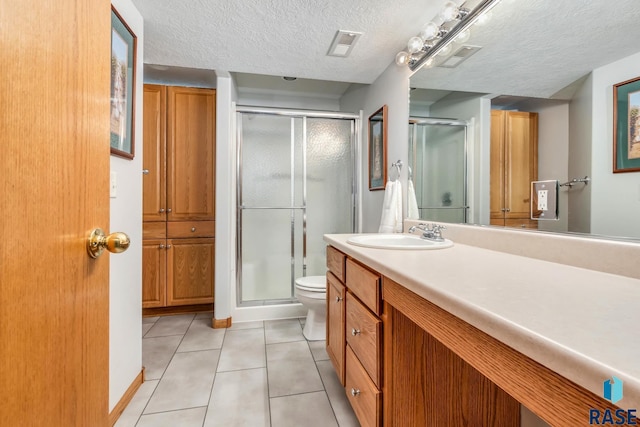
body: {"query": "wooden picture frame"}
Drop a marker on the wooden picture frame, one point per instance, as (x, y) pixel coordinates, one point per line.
(123, 81)
(626, 126)
(378, 149)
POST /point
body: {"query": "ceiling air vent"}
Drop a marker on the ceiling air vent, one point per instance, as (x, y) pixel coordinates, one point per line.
(459, 56)
(343, 43)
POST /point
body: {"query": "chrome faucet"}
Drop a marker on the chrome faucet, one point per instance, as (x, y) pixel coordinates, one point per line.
(430, 231)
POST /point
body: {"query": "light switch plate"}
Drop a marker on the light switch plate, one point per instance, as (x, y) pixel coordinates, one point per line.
(113, 185)
(544, 200)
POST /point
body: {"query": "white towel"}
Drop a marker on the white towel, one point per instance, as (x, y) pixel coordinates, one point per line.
(412, 202)
(391, 220)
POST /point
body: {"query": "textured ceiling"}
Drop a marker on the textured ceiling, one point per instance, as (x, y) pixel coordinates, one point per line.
(281, 37)
(537, 48)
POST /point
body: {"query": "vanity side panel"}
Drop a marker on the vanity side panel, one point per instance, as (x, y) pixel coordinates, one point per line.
(435, 387)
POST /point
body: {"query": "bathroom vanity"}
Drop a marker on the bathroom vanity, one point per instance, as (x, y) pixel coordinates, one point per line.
(464, 335)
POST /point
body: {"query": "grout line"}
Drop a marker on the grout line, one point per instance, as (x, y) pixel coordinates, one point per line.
(266, 368)
(174, 410)
(324, 386)
(215, 378)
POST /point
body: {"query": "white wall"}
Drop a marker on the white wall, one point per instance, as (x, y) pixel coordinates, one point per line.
(125, 270)
(282, 99)
(615, 198)
(226, 95)
(553, 158)
(477, 111)
(580, 135)
(392, 89)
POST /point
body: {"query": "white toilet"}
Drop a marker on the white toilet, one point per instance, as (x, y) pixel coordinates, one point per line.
(311, 291)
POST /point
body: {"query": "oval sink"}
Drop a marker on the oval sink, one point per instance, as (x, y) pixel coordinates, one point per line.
(397, 241)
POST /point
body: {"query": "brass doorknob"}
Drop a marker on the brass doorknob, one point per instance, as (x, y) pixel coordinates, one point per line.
(114, 242)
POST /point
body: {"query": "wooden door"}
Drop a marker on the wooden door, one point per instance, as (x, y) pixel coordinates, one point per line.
(521, 158)
(154, 189)
(54, 299)
(154, 273)
(191, 153)
(497, 168)
(190, 271)
(336, 324)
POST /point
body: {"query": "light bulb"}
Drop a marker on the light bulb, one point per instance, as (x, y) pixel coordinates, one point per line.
(402, 58)
(483, 19)
(450, 12)
(415, 44)
(430, 31)
(464, 36)
(445, 50)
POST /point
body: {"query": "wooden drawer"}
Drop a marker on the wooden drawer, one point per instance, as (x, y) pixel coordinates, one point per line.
(187, 229)
(154, 230)
(364, 396)
(364, 335)
(365, 284)
(335, 262)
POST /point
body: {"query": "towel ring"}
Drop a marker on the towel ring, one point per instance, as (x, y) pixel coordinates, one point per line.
(398, 166)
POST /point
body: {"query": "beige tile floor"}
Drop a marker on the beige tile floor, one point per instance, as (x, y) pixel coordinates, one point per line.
(253, 374)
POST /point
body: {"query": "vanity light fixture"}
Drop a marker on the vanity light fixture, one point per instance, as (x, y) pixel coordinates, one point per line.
(436, 39)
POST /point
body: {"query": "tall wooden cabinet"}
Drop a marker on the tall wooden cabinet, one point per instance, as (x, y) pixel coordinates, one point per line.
(178, 196)
(514, 164)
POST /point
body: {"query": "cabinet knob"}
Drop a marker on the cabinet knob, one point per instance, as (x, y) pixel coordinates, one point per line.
(338, 299)
(355, 392)
(161, 210)
(168, 246)
(508, 210)
(145, 171)
(355, 332)
(193, 229)
(161, 246)
(169, 210)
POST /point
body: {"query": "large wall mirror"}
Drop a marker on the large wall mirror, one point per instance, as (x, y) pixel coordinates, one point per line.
(531, 91)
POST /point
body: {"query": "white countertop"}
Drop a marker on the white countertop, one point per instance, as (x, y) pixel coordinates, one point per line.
(582, 324)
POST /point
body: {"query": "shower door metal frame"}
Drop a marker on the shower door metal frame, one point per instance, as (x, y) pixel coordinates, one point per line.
(293, 114)
(431, 121)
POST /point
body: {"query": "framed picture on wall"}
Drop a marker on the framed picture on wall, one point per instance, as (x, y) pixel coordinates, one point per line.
(378, 149)
(626, 126)
(123, 77)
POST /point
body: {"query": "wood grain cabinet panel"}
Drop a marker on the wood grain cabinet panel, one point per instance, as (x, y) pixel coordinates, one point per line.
(336, 262)
(514, 164)
(365, 284)
(191, 153)
(154, 202)
(364, 396)
(154, 272)
(364, 336)
(336, 324)
(190, 265)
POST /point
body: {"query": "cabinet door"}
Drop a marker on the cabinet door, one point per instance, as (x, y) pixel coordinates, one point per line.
(497, 167)
(154, 154)
(521, 158)
(190, 271)
(336, 324)
(154, 273)
(191, 129)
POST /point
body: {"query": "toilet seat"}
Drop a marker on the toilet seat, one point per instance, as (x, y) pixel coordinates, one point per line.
(312, 284)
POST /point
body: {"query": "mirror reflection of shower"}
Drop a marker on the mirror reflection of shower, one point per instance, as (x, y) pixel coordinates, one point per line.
(295, 184)
(438, 162)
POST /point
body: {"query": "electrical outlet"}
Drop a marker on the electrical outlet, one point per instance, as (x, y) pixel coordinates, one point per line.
(542, 200)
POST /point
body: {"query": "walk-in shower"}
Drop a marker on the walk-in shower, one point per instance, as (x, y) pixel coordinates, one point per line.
(438, 162)
(295, 182)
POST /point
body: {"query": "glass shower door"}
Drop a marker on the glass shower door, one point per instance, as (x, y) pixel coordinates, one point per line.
(295, 184)
(438, 159)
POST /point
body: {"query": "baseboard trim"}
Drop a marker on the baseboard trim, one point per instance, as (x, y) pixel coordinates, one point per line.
(221, 323)
(179, 309)
(126, 398)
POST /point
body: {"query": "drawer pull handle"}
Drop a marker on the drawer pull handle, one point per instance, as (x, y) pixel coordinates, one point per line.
(338, 299)
(193, 229)
(161, 246)
(355, 331)
(355, 392)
